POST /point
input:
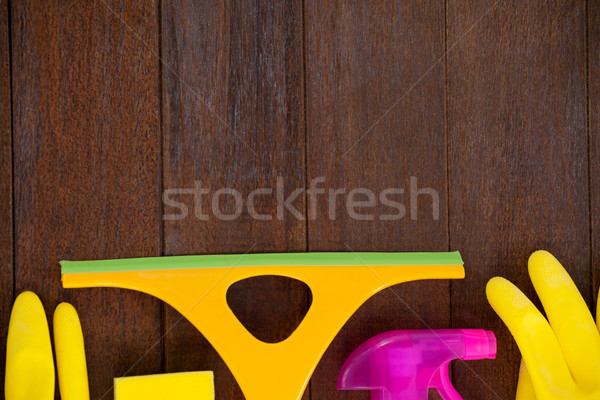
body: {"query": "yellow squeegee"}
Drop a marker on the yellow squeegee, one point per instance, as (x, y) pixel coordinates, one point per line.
(197, 286)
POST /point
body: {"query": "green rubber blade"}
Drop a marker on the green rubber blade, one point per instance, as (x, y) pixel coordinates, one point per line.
(257, 260)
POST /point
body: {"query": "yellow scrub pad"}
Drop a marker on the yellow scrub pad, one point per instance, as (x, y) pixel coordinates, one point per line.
(179, 386)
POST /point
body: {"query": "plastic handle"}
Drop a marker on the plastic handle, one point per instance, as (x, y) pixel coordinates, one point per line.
(441, 382)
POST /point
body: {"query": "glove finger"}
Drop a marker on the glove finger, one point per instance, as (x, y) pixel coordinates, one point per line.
(539, 347)
(525, 389)
(569, 317)
(598, 313)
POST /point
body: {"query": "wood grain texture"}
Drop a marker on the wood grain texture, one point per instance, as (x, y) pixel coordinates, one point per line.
(6, 203)
(87, 167)
(496, 127)
(517, 160)
(375, 118)
(594, 126)
(233, 118)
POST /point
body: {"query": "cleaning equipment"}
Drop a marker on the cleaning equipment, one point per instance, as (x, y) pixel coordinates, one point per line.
(197, 286)
(401, 365)
(178, 386)
(562, 354)
(70, 354)
(29, 362)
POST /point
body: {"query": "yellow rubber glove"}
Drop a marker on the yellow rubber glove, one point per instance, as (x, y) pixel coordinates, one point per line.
(70, 354)
(561, 355)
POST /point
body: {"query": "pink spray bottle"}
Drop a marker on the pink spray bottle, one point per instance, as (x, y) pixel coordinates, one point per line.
(403, 365)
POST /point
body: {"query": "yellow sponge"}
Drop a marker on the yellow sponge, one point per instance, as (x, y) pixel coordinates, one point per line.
(178, 386)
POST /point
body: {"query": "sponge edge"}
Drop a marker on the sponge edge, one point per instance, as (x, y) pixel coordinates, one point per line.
(176, 386)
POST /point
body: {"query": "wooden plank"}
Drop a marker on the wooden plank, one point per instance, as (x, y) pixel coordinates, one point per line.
(517, 160)
(233, 118)
(375, 118)
(594, 126)
(87, 172)
(6, 203)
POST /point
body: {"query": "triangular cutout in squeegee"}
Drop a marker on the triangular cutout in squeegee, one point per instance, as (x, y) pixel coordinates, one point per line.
(270, 307)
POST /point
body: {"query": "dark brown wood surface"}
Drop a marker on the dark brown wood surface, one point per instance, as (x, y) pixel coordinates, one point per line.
(363, 114)
(594, 132)
(108, 107)
(233, 117)
(6, 210)
(87, 167)
(518, 160)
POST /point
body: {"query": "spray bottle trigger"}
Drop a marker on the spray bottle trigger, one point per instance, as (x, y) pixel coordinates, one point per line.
(441, 382)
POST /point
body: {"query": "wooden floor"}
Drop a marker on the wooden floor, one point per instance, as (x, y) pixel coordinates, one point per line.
(106, 105)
